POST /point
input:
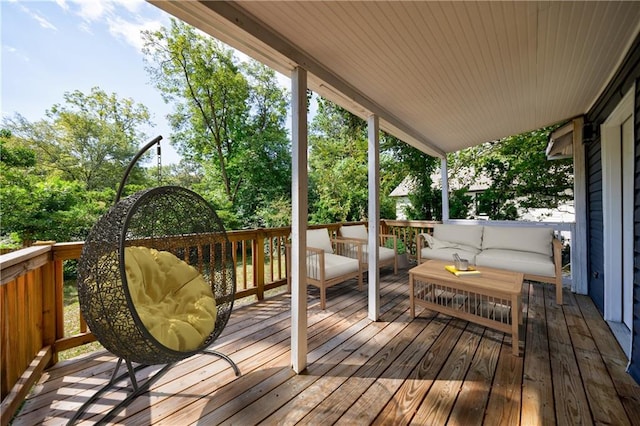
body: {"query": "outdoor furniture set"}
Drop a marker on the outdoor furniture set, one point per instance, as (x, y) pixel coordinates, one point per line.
(488, 292)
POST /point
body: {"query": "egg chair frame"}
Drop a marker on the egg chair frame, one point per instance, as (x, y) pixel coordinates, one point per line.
(164, 218)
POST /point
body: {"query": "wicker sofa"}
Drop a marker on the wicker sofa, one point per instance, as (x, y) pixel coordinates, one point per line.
(531, 250)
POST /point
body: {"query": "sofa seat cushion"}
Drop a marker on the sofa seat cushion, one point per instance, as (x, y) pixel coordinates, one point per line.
(535, 240)
(447, 253)
(520, 261)
(334, 266)
(464, 235)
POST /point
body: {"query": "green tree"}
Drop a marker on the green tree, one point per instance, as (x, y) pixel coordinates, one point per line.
(37, 208)
(227, 116)
(460, 203)
(519, 173)
(337, 165)
(88, 139)
(266, 163)
(426, 201)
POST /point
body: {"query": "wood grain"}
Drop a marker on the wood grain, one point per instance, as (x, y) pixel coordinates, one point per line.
(429, 370)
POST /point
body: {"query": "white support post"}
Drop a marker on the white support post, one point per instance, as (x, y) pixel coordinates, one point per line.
(445, 189)
(299, 212)
(374, 217)
(579, 278)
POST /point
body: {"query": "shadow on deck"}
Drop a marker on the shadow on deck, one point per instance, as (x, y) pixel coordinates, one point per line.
(432, 370)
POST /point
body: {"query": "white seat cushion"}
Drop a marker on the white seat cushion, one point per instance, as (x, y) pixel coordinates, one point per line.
(384, 253)
(520, 261)
(334, 264)
(447, 253)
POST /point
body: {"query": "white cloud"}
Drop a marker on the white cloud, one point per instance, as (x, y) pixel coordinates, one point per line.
(131, 5)
(85, 27)
(35, 15)
(90, 10)
(130, 31)
(63, 4)
(123, 18)
(16, 52)
(43, 22)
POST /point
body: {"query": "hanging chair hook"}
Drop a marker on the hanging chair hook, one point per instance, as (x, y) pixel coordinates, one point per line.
(134, 160)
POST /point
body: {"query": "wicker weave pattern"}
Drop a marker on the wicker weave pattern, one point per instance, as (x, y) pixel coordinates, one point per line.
(166, 218)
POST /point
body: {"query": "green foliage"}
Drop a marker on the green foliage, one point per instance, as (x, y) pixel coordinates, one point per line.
(338, 168)
(400, 247)
(426, 202)
(10, 242)
(16, 156)
(53, 209)
(460, 204)
(89, 138)
(338, 165)
(519, 173)
(228, 116)
(43, 208)
(275, 214)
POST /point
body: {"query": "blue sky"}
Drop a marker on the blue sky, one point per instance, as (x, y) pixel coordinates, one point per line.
(53, 47)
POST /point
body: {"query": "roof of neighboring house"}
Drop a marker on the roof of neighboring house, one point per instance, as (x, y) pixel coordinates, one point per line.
(404, 188)
(465, 177)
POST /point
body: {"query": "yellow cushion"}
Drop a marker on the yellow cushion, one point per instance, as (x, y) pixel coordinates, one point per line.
(174, 302)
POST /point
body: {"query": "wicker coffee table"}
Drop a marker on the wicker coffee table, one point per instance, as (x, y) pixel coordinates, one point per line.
(492, 299)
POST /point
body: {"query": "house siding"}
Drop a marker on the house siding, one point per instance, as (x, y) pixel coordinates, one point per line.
(634, 366)
(595, 250)
(623, 81)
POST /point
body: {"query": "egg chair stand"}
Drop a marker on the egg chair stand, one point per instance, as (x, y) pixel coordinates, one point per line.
(180, 231)
(137, 388)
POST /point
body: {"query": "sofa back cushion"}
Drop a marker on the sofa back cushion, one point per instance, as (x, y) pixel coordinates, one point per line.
(536, 240)
(466, 235)
(354, 231)
(319, 238)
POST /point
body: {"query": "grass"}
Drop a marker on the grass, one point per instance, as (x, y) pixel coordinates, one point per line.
(71, 312)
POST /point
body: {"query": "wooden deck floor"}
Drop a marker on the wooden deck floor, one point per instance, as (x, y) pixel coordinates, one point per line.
(430, 371)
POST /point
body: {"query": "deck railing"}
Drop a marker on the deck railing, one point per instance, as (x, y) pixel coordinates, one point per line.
(32, 297)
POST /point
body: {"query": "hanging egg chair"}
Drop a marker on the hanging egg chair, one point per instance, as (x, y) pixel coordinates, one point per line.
(156, 281)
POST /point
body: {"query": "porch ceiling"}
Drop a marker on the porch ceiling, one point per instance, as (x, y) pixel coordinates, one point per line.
(442, 76)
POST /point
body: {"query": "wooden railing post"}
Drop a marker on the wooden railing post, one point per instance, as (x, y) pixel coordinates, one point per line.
(59, 304)
(52, 318)
(257, 259)
(49, 308)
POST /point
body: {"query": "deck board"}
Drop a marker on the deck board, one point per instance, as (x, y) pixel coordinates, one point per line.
(429, 370)
(537, 392)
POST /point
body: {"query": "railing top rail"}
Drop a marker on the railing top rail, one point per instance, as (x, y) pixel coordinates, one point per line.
(563, 226)
(413, 223)
(13, 258)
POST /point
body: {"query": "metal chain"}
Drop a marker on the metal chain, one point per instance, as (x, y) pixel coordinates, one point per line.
(159, 155)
